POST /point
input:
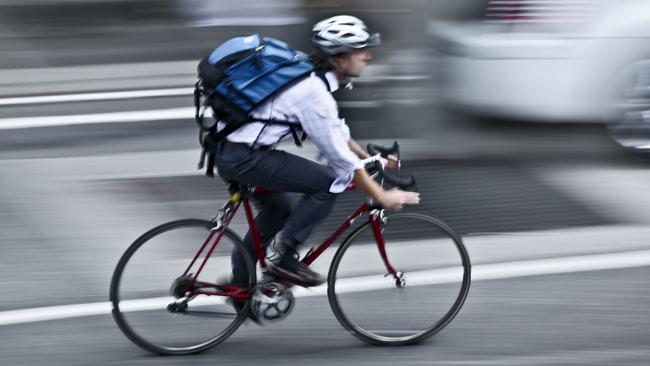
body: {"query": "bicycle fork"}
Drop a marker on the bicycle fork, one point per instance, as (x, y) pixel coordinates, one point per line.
(378, 222)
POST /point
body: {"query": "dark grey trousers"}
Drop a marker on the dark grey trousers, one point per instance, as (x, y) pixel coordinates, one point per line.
(280, 172)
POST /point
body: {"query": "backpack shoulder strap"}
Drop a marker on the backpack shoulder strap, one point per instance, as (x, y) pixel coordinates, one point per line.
(321, 75)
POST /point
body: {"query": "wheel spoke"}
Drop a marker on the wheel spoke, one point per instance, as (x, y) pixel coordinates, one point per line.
(154, 263)
(436, 272)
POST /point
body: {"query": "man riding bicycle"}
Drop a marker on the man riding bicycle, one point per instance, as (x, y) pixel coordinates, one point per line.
(249, 154)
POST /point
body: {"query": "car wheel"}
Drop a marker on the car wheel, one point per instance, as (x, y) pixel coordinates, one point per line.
(630, 126)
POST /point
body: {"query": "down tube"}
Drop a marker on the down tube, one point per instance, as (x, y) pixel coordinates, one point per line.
(344, 226)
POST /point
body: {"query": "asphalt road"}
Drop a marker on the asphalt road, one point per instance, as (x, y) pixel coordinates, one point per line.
(591, 318)
(74, 197)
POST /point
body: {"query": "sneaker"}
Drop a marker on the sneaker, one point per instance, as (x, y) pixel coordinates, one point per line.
(299, 275)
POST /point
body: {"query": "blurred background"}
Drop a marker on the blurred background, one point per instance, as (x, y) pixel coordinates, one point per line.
(525, 121)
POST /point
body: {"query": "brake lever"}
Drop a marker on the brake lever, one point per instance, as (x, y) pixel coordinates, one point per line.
(373, 149)
(403, 183)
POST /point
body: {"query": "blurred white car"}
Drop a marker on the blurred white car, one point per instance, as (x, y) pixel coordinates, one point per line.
(552, 60)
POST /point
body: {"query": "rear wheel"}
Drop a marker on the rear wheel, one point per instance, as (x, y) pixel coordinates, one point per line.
(153, 301)
(432, 283)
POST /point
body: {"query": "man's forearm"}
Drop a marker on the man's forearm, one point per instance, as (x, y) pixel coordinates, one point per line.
(365, 184)
(357, 149)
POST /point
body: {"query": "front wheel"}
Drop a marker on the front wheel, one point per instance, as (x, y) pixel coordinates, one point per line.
(426, 291)
(156, 303)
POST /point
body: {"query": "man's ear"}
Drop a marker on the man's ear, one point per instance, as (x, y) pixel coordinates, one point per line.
(341, 60)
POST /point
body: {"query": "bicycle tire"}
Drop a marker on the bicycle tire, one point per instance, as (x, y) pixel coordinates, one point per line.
(115, 294)
(361, 331)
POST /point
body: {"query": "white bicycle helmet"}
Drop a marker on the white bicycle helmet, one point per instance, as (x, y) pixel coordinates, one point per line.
(343, 33)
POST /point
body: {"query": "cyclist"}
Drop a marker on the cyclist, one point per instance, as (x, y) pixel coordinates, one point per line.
(249, 154)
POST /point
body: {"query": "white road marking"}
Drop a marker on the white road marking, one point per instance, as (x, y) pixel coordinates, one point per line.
(85, 97)
(53, 312)
(480, 272)
(79, 119)
(175, 92)
(138, 116)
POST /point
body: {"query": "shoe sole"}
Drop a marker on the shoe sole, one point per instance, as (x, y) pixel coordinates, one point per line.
(285, 275)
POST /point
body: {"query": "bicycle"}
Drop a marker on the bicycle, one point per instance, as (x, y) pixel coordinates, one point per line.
(418, 257)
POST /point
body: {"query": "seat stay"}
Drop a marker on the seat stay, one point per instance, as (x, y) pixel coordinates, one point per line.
(205, 260)
(198, 254)
(221, 221)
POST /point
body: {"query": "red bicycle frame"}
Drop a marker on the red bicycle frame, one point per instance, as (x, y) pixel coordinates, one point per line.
(376, 221)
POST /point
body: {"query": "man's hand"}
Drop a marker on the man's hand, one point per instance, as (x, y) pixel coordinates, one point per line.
(391, 162)
(395, 199)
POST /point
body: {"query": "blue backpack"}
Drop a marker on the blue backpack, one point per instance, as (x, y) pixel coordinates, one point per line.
(238, 76)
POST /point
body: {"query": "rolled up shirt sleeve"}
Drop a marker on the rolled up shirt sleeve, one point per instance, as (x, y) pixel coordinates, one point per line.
(345, 130)
(318, 117)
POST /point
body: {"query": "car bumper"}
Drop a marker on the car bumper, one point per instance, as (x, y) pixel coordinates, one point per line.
(515, 75)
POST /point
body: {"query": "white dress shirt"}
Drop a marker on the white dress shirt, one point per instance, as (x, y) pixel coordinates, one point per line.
(312, 105)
